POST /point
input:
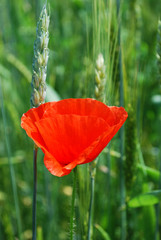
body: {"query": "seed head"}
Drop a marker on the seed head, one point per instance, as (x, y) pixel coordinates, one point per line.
(100, 62)
(100, 78)
(41, 54)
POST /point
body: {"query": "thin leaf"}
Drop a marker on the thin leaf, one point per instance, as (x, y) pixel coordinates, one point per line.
(20, 66)
(102, 231)
(39, 233)
(152, 174)
(146, 199)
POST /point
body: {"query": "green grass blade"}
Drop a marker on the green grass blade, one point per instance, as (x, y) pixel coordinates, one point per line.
(146, 199)
(102, 231)
(12, 172)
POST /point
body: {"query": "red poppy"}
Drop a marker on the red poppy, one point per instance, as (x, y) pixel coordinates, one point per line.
(72, 131)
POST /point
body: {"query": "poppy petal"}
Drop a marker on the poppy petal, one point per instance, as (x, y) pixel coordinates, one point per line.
(67, 136)
(32, 131)
(108, 135)
(91, 152)
(28, 123)
(72, 131)
(81, 107)
(54, 166)
(99, 144)
(120, 115)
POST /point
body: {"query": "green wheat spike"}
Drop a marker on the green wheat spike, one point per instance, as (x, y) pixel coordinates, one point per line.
(100, 78)
(41, 54)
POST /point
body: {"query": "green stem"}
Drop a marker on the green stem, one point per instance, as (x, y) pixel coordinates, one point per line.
(73, 202)
(90, 217)
(122, 185)
(158, 210)
(34, 194)
(12, 171)
(109, 188)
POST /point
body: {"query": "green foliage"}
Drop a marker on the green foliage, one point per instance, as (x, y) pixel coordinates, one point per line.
(146, 199)
(130, 149)
(79, 31)
(102, 232)
(152, 174)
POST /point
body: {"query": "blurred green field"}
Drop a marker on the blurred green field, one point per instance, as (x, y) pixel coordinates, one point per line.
(127, 188)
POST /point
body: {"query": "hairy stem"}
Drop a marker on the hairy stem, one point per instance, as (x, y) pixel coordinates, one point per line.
(34, 194)
(90, 217)
(73, 202)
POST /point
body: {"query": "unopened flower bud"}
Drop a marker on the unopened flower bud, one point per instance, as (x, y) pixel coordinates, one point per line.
(42, 75)
(100, 78)
(157, 55)
(35, 98)
(96, 91)
(35, 79)
(45, 21)
(100, 61)
(97, 78)
(44, 41)
(42, 93)
(45, 56)
(39, 59)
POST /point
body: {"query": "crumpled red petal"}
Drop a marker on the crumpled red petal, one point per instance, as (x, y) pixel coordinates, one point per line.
(72, 131)
(68, 135)
(28, 123)
(81, 107)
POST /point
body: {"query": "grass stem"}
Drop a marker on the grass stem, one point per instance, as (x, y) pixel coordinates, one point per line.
(157, 208)
(73, 203)
(90, 217)
(34, 193)
(122, 185)
(12, 171)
